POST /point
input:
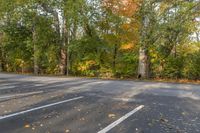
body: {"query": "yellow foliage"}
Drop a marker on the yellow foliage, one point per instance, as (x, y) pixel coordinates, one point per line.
(127, 46)
(122, 7)
(132, 25)
(90, 62)
(189, 48)
(20, 62)
(86, 65)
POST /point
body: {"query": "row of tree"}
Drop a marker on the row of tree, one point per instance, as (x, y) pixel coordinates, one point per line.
(109, 38)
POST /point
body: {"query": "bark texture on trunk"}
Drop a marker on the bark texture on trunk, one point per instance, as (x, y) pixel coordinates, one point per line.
(143, 67)
(2, 64)
(114, 58)
(62, 41)
(63, 50)
(63, 64)
(144, 63)
(198, 36)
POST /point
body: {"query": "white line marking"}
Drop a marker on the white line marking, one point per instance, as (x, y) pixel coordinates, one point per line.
(7, 87)
(112, 125)
(23, 94)
(7, 84)
(38, 108)
(39, 85)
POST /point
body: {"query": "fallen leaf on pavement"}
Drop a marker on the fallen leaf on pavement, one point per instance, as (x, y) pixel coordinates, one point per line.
(111, 115)
(67, 130)
(27, 126)
(163, 120)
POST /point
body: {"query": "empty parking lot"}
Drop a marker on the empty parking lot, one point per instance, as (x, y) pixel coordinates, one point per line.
(30, 104)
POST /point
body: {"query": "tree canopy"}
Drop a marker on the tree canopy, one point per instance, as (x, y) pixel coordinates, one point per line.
(107, 38)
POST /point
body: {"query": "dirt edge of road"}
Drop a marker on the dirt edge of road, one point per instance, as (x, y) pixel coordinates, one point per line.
(159, 80)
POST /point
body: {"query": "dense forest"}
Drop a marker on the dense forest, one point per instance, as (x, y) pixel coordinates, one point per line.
(101, 38)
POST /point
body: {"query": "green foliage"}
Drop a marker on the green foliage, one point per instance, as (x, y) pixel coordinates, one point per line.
(174, 67)
(127, 65)
(192, 69)
(100, 40)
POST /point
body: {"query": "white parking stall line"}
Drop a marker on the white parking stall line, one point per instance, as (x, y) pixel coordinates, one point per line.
(22, 94)
(8, 84)
(112, 125)
(7, 87)
(39, 85)
(38, 108)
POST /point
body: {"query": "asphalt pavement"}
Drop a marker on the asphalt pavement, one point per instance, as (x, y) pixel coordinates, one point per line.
(33, 104)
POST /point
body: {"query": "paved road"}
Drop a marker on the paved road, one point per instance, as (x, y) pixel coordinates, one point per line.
(30, 104)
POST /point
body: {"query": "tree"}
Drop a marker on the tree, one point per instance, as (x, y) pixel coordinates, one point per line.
(113, 38)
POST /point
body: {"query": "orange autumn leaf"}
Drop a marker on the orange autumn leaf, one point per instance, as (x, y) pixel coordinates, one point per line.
(127, 46)
(122, 7)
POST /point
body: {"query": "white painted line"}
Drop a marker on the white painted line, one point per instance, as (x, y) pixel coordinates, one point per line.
(23, 94)
(7, 84)
(7, 87)
(39, 85)
(38, 108)
(112, 125)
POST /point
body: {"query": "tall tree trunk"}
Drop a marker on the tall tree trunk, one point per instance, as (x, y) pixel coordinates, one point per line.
(35, 52)
(61, 35)
(1, 53)
(1, 64)
(114, 58)
(144, 63)
(198, 36)
(1, 69)
(143, 67)
(2, 60)
(63, 61)
(63, 50)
